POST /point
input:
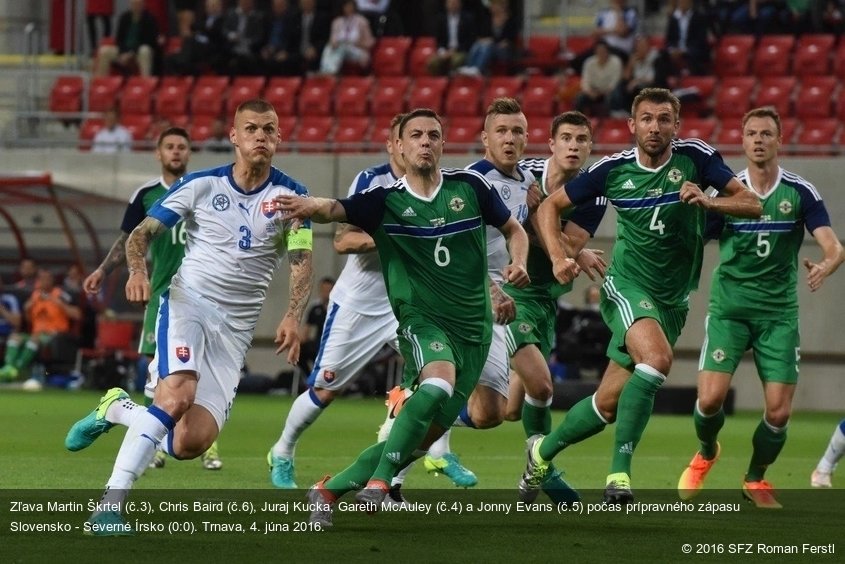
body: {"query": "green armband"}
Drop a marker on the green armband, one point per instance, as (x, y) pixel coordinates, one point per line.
(300, 240)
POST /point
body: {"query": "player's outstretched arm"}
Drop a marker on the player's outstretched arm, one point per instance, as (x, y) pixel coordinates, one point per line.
(515, 272)
(589, 261)
(138, 285)
(288, 337)
(349, 239)
(321, 210)
(834, 255)
(551, 238)
(115, 257)
(737, 200)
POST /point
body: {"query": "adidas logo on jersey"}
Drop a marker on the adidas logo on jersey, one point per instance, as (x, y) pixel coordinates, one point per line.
(628, 185)
(409, 212)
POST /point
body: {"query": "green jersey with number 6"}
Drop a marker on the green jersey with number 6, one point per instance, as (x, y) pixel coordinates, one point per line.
(166, 250)
(659, 239)
(433, 250)
(758, 258)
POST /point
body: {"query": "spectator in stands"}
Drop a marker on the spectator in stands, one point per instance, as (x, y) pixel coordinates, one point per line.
(617, 26)
(383, 20)
(10, 315)
(98, 11)
(50, 312)
(831, 17)
(219, 141)
(497, 43)
(72, 285)
(280, 54)
(749, 16)
(186, 15)
(314, 30)
(245, 29)
(687, 42)
(27, 278)
(602, 72)
(351, 40)
(205, 48)
(138, 43)
(641, 71)
(456, 33)
(113, 137)
(312, 330)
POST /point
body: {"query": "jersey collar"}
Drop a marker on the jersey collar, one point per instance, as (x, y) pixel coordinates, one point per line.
(746, 173)
(404, 181)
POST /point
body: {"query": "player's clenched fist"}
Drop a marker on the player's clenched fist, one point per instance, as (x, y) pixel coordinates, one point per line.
(516, 275)
(565, 270)
(691, 194)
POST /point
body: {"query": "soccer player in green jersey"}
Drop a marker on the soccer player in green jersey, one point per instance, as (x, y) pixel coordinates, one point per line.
(656, 188)
(430, 232)
(173, 152)
(531, 335)
(754, 305)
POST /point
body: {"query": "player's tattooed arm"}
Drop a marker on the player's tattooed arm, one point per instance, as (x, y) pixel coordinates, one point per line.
(116, 256)
(349, 239)
(139, 241)
(504, 308)
(301, 280)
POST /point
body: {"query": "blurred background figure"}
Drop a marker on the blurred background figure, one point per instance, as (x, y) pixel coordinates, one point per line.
(456, 33)
(137, 47)
(497, 44)
(602, 72)
(98, 12)
(351, 41)
(687, 39)
(113, 137)
(312, 330)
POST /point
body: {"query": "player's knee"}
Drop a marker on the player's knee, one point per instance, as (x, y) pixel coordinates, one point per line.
(606, 407)
(513, 414)
(709, 404)
(660, 360)
(487, 419)
(778, 417)
(175, 405)
(325, 396)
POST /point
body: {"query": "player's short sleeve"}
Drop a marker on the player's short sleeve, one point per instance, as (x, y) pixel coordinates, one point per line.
(588, 185)
(710, 164)
(588, 216)
(135, 212)
(813, 209)
(714, 225)
(178, 202)
(493, 209)
(366, 209)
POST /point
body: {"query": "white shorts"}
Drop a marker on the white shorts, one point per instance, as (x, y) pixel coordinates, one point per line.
(192, 335)
(496, 372)
(350, 340)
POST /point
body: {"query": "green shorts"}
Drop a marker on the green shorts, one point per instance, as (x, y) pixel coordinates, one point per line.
(422, 342)
(622, 304)
(147, 342)
(534, 325)
(776, 344)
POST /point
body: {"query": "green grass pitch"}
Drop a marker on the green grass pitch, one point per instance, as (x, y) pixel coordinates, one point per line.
(35, 466)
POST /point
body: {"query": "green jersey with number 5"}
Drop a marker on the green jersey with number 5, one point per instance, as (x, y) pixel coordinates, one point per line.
(433, 250)
(659, 239)
(758, 258)
(166, 250)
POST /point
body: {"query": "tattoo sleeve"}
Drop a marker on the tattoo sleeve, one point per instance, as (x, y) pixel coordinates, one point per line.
(301, 278)
(497, 296)
(139, 241)
(116, 256)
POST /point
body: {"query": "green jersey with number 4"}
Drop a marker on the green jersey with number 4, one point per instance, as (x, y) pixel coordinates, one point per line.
(659, 239)
(433, 250)
(758, 258)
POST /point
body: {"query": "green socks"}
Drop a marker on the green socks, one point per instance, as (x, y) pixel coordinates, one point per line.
(707, 429)
(632, 414)
(767, 444)
(581, 422)
(536, 418)
(358, 473)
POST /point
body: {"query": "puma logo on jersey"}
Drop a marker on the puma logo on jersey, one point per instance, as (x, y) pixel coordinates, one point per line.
(629, 185)
(409, 212)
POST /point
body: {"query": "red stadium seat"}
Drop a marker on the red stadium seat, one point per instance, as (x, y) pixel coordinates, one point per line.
(351, 133)
(352, 96)
(578, 44)
(315, 98)
(137, 124)
(66, 94)
(733, 96)
(729, 138)
(698, 128)
(463, 99)
(542, 53)
(613, 135)
(87, 131)
(788, 127)
(817, 136)
(137, 95)
(501, 86)
(181, 120)
(696, 93)
(172, 95)
(538, 134)
(423, 49)
(463, 134)
(776, 91)
(812, 54)
(388, 95)
(733, 55)
(427, 92)
(207, 95)
(839, 61)
(287, 125)
(390, 56)
(379, 132)
(201, 127)
(815, 97)
(313, 133)
(103, 92)
(282, 92)
(244, 88)
(540, 95)
(773, 55)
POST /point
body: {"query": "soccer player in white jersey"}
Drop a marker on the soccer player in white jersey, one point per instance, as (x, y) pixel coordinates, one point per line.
(358, 324)
(235, 240)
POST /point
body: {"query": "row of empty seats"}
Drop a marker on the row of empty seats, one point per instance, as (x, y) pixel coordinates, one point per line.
(779, 55)
(364, 134)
